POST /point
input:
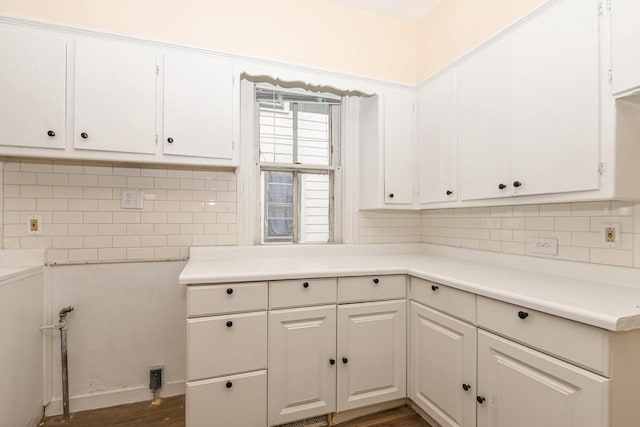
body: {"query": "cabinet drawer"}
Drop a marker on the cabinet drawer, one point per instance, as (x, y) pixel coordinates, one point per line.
(294, 293)
(224, 345)
(576, 342)
(234, 401)
(371, 288)
(449, 300)
(226, 298)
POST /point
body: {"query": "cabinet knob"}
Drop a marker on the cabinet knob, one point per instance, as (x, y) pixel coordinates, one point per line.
(229, 384)
(345, 360)
(332, 361)
(84, 135)
(229, 324)
(170, 140)
(480, 399)
(517, 184)
(51, 133)
(449, 192)
(434, 288)
(523, 314)
(376, 280)
(305, 285)
(501, 186)
(229, 291)
(466, 387)
(391, 196)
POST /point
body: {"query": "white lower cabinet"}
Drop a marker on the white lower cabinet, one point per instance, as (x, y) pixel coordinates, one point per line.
(302, 363)
(371, 353)
(522, 387)
(442, 366)
(232, 401)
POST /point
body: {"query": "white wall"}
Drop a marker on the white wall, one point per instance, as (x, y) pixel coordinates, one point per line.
(128, 317)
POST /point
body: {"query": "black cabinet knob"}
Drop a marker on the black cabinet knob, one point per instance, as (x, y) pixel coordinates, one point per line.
(449, 192)
(480, 399)
(84, 135)
(305, 285)
(51, 133)
(229, 384)
(332, 361)
(345, 360)
(434, 288)
(376, 280)
(523, 314)
(517, 184)
(170, 140)
(229, 291)
(391, 196)
(229, 324)
(501, 186)
(466, 387)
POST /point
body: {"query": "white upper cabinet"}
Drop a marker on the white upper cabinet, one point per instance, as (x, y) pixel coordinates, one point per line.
(556, 100)
(32, 89)
(115, 97)
(625, 33)
(438, 140)
(199, 106)
(484, 123)
(399, 144)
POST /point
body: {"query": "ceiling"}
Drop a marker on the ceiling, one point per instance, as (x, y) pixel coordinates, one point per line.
(407, 9)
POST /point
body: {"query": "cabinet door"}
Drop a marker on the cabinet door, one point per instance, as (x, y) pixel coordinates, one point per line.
(442, 367)
(115, 97)
(438, 140)
(302, 359)
(32, 89)
(525, 388)
(484, 123)
(371, 353)
(198, 106)
(399, 155)
(625, 33)
(556, 100)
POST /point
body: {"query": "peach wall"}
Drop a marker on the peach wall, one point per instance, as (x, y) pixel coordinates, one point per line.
(320, 34)
(453, 27)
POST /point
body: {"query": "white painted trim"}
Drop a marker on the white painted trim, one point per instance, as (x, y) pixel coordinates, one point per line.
(246, 179)
(350, 146)
(107, 399)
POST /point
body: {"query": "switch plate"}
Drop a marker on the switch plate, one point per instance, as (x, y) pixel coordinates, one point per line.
(545, 246)
(610, 235)
(132, 199)
(34, 225)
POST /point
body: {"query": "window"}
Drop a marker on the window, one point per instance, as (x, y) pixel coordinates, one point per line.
(298, 142)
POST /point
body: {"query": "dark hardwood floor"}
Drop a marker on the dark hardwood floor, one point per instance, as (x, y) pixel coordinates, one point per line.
(171, 414)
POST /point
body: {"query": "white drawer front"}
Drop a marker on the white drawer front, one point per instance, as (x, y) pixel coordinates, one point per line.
(224, 345)
(576, 342)
(449, 300)
(234, 401)
(303, 292)
(371, 288)
(226, 298)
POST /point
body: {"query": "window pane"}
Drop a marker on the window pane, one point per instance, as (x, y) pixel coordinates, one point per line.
(277, 206)
(314, 207)
(276, 132)
(314, 130)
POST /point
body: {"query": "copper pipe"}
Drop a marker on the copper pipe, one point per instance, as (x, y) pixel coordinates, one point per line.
(65, 368)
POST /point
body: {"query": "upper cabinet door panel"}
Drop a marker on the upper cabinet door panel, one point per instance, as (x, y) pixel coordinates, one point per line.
(32, 89)
(399, 156)
(438, 140)
(625, 33)
(484, 123)
(198, 106)
(115, 97)
(556, 100)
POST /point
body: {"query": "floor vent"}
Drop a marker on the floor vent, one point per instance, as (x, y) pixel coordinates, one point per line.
(320, 421)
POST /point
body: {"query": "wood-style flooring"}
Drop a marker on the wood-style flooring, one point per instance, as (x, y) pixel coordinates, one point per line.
(171, 414)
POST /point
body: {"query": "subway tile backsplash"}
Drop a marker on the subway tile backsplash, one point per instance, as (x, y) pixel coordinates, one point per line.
(82, 218)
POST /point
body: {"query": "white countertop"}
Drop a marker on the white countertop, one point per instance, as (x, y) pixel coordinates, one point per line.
(16, 264)
(571, 290)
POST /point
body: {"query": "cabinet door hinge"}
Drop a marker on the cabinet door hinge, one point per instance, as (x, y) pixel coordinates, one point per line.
(601, 168)
(600, 8)
(156, 138)
(609, 5)
(157, 70)
(610, 75)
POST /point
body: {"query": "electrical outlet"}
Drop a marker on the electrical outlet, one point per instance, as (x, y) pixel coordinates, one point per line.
(132, 199)
(155, 377)
(610, 235)
(545, 246)
(34, 225)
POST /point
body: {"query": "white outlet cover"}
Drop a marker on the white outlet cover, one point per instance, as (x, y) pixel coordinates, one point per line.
(545, 246)
(603, 233)
(132, 199)
(38, 219)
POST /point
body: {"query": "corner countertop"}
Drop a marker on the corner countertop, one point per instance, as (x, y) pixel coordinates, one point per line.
(575, 291)
(16, 264)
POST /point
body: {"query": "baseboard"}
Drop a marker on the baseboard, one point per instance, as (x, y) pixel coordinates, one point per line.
(342, 417)
(422, 413)
(112, 398)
